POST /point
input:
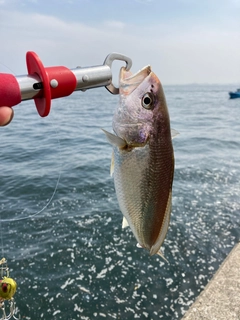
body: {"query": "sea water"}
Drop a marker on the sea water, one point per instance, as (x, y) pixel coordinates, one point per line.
(60, 225)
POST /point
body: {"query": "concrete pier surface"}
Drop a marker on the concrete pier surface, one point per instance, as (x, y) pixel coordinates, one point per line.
(221, 297)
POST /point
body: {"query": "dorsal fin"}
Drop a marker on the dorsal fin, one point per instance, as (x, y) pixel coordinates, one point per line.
(174, 133)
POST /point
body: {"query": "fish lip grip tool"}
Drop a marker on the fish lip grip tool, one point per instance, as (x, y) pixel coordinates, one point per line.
(46, 83)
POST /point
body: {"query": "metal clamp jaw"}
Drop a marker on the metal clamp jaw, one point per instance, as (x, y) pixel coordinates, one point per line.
(44, 84)
(109, 60)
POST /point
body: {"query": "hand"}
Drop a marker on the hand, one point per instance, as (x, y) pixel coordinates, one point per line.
(6, 115)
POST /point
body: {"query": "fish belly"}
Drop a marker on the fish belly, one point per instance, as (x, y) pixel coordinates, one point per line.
(143, 184)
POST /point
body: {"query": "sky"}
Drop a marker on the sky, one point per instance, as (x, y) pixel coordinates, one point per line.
(185, 41)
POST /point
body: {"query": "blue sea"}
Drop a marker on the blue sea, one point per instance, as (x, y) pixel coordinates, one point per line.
(60, 227)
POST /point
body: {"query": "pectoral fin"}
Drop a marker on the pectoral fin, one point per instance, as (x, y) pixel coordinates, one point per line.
(115, 140)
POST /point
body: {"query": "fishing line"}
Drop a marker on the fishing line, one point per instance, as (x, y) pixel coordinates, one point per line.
(30, 216)
(5, 69)
(1, 236)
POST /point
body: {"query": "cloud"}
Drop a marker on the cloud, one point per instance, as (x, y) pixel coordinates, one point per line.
(178, 54)
(114, 24)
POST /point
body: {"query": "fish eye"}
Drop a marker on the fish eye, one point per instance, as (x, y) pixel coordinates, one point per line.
(147, 101)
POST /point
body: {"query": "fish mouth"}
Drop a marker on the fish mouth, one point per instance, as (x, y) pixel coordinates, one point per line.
(128, 82)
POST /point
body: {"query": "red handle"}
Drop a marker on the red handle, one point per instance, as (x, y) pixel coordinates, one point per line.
(57, 82)
(10, 93)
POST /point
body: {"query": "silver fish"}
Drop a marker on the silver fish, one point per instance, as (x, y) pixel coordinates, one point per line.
(143, 159)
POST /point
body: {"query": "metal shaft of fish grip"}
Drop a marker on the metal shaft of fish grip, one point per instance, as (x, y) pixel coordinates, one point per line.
(109, 60)
(46, 83)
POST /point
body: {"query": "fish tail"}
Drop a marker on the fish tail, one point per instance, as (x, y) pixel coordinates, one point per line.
(162, 256)
(159, 253)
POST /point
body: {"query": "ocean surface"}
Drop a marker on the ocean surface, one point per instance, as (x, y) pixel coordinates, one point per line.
(60, 227)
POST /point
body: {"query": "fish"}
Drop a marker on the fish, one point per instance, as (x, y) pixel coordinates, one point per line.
(143, 159)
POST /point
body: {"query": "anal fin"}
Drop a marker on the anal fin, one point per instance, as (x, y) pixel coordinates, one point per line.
(124, 223)
(112, 165)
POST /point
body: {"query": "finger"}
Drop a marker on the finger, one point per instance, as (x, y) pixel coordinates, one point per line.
(6, 115)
